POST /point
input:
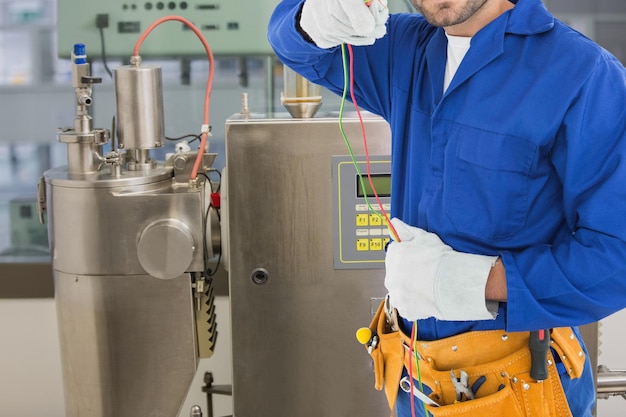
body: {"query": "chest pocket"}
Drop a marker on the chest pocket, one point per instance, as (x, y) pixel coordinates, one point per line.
(486, 192)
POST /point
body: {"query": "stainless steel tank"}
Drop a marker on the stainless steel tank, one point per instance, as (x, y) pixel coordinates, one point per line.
(129, 249)
(139, 102)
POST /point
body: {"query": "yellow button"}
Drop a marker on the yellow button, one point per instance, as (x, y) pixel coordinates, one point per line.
(362, 219)
(375, 220)
(376, 244)
(362, 245)
(385, 241)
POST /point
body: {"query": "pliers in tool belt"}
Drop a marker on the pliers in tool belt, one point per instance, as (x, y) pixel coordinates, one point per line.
(461, 386)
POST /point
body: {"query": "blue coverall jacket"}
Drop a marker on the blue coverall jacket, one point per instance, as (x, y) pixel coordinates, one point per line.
(524, 156)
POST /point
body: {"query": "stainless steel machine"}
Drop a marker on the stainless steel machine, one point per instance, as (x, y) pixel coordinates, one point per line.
(130, 237)
(299, 287)
(133, 238)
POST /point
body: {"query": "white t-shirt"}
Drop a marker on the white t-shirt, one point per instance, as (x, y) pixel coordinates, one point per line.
(457, 48)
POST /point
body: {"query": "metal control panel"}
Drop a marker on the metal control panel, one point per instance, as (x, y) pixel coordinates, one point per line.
(361, 234)
(237, 27)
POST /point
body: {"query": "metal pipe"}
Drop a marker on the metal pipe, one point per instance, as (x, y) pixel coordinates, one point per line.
(270, 84)
(611, 382)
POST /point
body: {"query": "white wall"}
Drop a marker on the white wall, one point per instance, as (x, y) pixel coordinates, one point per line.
(30, 366)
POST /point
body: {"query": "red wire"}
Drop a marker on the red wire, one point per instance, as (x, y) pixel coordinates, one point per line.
(367, 156)
(207, 96)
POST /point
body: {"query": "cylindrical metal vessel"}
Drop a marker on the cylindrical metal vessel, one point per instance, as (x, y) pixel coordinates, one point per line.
(139, 100)
(127, 236)
(96, 224)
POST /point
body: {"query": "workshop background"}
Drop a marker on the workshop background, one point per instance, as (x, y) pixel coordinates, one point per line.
(36, 98)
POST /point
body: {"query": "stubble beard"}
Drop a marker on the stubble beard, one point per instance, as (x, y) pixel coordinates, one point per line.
(446, 14)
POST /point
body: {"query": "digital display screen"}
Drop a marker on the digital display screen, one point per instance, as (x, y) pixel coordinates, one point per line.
(381, 182)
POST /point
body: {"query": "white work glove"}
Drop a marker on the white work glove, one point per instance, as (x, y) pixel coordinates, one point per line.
(427, 278)
(332, 22)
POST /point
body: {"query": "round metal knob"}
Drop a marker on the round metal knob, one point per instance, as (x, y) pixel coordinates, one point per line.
(165, 249)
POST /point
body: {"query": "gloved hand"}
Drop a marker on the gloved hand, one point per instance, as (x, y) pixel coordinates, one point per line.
(427, 278)
(332, 22)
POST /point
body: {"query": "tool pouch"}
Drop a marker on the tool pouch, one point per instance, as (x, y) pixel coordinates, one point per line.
(508, 390)
(502, 358)
(388, 356)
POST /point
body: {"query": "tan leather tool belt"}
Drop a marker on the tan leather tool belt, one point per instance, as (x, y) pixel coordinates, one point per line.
(501, 360)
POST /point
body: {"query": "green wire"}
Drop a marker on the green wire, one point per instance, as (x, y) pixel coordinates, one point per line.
(343, 133)
(417, 362)
(358, 171)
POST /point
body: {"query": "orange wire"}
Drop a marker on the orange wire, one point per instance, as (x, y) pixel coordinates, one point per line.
(367, 156)
(207, 96)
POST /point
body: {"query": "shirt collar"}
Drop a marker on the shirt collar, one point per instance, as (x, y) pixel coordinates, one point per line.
(529, 17)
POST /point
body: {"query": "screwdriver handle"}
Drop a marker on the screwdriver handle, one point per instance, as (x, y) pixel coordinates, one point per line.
(539, 344)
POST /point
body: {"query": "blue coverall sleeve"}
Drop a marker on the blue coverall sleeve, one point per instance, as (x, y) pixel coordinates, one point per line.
(325, 66)
(581, 276)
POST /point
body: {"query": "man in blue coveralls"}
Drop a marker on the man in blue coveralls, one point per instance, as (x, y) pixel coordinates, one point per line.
(508, 162)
